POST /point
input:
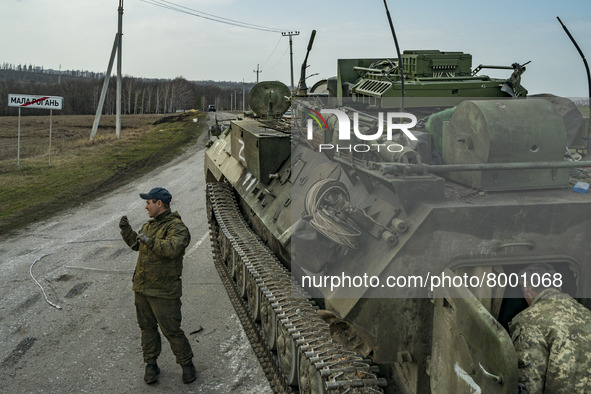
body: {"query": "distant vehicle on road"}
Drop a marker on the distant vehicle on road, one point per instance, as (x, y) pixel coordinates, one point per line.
(211, 108)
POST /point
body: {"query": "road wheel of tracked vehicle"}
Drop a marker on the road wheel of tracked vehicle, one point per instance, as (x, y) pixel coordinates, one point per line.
(253, 297)
(232, 264)
(310, 380)
(225, 247)
(269, 324)
(288, 355)
(240, 278)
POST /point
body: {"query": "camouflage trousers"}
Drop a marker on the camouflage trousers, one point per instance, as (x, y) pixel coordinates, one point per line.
(154, 312)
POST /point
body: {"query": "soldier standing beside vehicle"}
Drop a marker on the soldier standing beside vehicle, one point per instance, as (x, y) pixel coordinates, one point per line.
(552, 338)
(157, 282)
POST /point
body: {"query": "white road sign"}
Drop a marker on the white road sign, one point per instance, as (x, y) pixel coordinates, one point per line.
(28, 101)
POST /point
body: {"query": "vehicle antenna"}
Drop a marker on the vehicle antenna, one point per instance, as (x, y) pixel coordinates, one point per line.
(400, 67)
(586, 67)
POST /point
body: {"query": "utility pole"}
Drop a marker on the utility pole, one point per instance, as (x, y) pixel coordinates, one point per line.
(290, 34)
(119, 57)
(258, 72)
(243, 92)
(116, 50)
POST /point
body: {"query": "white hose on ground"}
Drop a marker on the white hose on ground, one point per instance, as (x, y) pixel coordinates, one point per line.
(38, 284)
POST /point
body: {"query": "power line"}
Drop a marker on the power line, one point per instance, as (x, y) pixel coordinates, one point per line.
(280, 59)
(273, 52)
(200, 14)
(215, 17)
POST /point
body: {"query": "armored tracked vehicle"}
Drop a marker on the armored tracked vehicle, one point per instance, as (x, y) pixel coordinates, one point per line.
(387, 259)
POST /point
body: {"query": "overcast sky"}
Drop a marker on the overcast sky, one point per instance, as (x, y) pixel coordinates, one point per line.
(162, 43)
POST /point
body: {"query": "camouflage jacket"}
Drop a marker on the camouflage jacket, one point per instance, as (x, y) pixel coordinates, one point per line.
(160, 263)
(552, 339)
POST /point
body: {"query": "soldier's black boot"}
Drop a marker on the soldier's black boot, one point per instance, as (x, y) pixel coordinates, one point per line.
(151, 375)
(189, 374)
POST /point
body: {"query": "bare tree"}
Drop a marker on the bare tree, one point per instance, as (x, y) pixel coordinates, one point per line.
(149, 108)
(143, 99)
(165, 94)
(184, 94)
(137, 93)
(158, 98)
(129, 88)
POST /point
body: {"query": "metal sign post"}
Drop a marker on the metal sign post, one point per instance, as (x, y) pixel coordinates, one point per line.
(28, 101)
(18, 143)
(50, 124)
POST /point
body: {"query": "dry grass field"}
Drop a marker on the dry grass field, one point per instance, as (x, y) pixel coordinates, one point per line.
(68, 133)
(81, 169)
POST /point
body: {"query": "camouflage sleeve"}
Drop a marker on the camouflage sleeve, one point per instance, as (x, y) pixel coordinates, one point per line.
(173, 244)
(532, 356)
(130, 238)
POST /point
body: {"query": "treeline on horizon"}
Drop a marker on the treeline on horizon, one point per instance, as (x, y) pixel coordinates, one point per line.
(81, 91)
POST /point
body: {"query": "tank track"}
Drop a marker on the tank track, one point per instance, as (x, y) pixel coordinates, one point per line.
(292, 342)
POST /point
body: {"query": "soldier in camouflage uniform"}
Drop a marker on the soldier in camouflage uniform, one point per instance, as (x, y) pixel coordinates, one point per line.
(552, 339)
(157, 282)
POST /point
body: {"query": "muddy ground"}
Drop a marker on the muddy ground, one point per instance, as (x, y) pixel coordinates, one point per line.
(92, 343)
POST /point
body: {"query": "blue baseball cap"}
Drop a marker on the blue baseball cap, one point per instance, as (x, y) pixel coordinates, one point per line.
(158, 193)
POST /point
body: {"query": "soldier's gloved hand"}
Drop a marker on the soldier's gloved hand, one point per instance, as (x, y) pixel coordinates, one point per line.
(124, 223)
(143, 238)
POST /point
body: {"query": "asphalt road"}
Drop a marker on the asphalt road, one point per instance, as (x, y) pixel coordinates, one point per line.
(92, 344)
